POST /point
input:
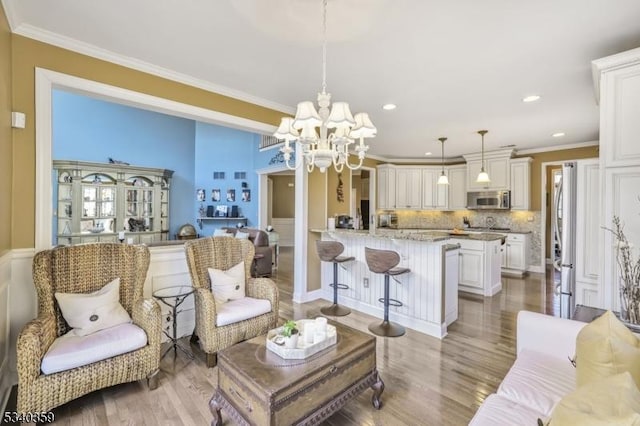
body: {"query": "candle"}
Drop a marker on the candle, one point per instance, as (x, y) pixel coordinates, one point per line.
(308, 332)
(321, 325)
(121, 235)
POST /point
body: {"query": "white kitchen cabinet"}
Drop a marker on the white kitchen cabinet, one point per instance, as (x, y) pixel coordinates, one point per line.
(479, 266)
(408, 188)
(515, 254)
(617, 81)
(457, 187)
(588, 229)
(386, 187)
(520, 183)
(434, 196)
(496, 164)
(471, 268)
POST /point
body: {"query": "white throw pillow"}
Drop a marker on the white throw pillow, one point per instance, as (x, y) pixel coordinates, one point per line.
(88, 313)
(221, 233)
(242, 235)
(227, 285)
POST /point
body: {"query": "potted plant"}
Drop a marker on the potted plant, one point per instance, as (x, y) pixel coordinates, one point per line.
(290, 333)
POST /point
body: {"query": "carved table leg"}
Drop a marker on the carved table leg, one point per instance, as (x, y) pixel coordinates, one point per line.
(214, 407)
(378, 388)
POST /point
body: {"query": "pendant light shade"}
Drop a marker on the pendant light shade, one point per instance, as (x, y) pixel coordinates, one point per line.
(443, 179)
(483, 176)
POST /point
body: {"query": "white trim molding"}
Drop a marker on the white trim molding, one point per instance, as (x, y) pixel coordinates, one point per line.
(6, 378)
(610, 63)
(93, 51)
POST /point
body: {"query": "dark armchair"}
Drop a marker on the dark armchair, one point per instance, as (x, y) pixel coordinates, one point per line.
(260, 240)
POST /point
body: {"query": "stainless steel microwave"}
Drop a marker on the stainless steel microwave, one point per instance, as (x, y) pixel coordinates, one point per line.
(490, 200)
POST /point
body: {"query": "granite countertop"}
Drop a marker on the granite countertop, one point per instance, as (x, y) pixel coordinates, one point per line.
(482, 230)
(430, 236)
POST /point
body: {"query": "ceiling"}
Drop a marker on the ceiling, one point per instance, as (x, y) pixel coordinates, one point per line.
(451, 67)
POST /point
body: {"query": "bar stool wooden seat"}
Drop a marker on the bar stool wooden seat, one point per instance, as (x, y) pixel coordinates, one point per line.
(330, 251)
(385, 262)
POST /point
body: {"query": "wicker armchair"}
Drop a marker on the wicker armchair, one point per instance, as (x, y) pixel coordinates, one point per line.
(85, 269)
(223, 253)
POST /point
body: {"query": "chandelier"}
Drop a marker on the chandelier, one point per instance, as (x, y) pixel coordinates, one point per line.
(337, 128)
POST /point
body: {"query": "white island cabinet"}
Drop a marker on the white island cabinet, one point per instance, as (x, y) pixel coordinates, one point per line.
(428, 293)
(479, 265)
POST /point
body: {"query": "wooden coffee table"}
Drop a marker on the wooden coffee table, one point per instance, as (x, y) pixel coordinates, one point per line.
(257, 387)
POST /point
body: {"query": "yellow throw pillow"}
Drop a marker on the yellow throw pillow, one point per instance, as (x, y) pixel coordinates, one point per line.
(227, 285)
(614, 400)
(606, 347)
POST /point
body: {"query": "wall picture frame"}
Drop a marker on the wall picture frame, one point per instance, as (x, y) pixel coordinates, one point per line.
(231, 195)
(215, 195)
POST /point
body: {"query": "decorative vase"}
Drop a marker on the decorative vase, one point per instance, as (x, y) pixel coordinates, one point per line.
(629, 302)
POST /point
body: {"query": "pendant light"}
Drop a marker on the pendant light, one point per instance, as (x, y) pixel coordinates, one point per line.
(483, 177)
(443, 179)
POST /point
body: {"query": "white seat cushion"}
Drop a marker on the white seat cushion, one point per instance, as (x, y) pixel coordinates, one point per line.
(538, 381)
(241, 309)
(71, 351)
(498, 410)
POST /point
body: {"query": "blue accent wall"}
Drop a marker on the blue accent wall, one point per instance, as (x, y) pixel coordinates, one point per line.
(89, 129)
(221, 149)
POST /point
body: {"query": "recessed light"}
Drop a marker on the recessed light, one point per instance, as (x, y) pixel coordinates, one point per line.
(389, 107)
(428, 153)
(531, 98)
(558, 135)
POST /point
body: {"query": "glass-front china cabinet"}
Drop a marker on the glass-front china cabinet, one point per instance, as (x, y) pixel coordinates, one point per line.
(109, 202)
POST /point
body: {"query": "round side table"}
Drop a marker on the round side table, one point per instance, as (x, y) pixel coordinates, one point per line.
(173, 297)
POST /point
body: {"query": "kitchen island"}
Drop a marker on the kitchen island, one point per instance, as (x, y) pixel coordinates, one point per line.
(429, 293)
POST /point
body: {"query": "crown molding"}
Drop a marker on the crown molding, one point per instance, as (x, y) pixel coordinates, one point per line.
(557, 147)
(10, 13)
(613, 62)
(74, 45)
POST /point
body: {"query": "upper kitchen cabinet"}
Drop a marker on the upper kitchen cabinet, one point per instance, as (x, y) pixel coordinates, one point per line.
(496, 164)
(434, 196)
(386, 187)
(408, 187)
(520, 183)
(457, 187)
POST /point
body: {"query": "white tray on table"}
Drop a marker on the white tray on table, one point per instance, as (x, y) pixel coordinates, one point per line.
(303, 350)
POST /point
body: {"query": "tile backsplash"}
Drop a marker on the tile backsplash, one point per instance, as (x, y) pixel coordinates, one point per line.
(522, 221)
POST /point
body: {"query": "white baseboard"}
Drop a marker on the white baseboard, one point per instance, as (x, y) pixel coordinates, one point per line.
(308, 296)
(536, 269)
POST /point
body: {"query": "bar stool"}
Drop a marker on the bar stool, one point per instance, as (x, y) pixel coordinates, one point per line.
(330, 251)
(384, 262)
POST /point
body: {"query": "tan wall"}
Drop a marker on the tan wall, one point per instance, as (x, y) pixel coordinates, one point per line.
(356, 183)
(284, 199)
(317, 219)
(29, 54)
(544, 157)
(6, 144)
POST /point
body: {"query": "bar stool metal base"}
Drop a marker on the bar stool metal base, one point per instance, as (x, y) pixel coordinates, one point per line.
(386, 329)
(335, 310)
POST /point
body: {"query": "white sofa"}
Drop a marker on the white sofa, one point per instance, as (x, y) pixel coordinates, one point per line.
(541, 375)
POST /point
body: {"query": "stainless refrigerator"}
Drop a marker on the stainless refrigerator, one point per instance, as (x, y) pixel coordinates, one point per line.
(567, 228)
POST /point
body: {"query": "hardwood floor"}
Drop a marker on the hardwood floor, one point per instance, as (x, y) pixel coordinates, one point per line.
(427, 381)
